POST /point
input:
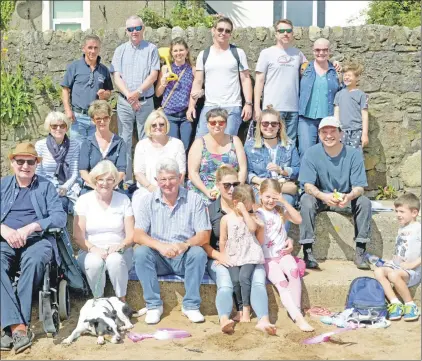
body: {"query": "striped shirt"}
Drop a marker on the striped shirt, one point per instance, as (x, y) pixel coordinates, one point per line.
(173, 225)
(48, 165)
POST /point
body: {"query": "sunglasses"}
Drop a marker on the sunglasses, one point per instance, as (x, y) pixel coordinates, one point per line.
(23, 161)
(321, 50)
(267, 124)
(131, 29)
(91, 80)
(220, 123)
(104, 119)
(227, 186)
(55, 126)
(159, 125)
(226, 31)
(282, 31)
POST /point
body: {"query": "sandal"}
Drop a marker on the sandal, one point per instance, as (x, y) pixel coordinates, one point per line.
(318, 311)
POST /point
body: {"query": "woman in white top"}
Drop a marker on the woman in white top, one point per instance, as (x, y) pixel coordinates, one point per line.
(60, 156)
(149, 150)
(103, 229)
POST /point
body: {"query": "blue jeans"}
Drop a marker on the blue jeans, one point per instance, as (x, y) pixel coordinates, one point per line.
(82, 128)
(233, 122)
(180, 127)
(291, 121)
(307, 133)
(31, 260)
(149, 264)
(224, 300)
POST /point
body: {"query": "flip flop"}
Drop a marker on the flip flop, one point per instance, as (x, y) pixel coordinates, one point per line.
(318, 311)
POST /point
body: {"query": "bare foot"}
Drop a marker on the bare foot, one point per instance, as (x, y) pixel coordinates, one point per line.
(238, 316)
(303, 325)
(227, 326)
(266, 327)
(246, 317)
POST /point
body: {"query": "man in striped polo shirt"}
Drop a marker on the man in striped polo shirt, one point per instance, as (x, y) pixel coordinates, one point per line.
(172, 225)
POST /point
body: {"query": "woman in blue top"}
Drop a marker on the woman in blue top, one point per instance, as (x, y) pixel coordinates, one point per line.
(176, 93)
(318, 87)
(102, 145)
(272, 155)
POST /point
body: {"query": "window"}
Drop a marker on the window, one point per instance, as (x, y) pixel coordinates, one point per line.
(301, 13)
(66, 15)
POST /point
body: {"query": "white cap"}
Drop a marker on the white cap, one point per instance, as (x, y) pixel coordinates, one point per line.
(329, 122)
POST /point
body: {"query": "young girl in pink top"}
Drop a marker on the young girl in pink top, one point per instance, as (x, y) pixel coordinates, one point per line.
(280, 265)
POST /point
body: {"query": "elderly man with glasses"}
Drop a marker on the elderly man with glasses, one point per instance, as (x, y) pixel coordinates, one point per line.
(135, 68)
(85, 80)
(172, 226)
(29, 206)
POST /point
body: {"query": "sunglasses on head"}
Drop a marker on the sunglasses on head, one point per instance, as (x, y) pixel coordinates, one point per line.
(226, 31)
(55, 126)
(158, 125)
(23, 161)
(227, 185)
(131, 29)
(267, 124)
(282, 31)
(213, 123)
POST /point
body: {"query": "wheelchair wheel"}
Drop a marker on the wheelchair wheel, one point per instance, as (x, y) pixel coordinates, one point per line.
(64, 300)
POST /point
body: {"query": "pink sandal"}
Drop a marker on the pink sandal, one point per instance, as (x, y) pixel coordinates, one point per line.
(318, 311)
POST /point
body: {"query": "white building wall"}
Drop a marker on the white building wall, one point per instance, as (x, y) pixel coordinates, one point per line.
(344, 13)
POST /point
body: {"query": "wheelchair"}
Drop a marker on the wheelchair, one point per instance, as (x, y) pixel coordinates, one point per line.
(54, 296)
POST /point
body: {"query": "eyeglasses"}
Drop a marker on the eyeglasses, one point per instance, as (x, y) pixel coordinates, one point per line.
(61, 126)
(30, 162)
(103, 119)
(131, 29)
(273, 124)
(325, 50)
(165, 180)
(158, 125)
(251, 211)
(282, 31)
(91, 80)
(213, 123)
(107, 180)
(226, 31)
(227, 185)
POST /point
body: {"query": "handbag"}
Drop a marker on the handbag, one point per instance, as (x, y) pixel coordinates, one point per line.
(174, 88)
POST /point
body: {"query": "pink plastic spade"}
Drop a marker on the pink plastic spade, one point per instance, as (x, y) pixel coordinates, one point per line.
(326, 336)
(160, 334)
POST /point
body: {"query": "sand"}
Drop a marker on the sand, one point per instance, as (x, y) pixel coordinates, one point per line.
(401, 341)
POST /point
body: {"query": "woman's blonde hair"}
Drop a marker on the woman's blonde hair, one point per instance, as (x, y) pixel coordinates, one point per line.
(243, 193)
(282, 135)
(99, 107)
(272, 184)
(224, 170)
(102, 168)
(56, 117)
(181, 41)
(155, 114)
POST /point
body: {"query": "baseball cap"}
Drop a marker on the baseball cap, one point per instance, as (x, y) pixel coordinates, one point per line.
(329, 122)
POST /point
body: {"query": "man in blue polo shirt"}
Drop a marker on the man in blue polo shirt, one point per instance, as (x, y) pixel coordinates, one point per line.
(85, 80)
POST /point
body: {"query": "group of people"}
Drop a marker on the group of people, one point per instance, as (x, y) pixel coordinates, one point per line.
(216, 205)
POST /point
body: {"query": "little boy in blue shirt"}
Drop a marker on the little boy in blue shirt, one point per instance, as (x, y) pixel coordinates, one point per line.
(351, 108)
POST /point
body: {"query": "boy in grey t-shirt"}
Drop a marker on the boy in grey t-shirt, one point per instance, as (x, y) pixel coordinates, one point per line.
(351, 108)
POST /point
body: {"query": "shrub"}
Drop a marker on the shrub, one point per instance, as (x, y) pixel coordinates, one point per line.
(6, 11)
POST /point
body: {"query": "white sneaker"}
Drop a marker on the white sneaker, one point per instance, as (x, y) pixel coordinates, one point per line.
(153, 316)
(193, 315)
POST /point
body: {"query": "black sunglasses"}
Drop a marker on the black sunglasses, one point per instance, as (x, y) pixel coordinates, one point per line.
(282, 31)
(23, 161)
(227, 186)
(226, 31)
(131, 29)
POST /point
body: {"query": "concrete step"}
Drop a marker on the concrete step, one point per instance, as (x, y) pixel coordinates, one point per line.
(327, 287)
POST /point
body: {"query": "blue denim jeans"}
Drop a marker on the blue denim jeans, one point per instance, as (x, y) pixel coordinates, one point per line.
(291, 121)
(180, 127)
(307, 133)
(82, 128)
(191, 264)
(224, 300)
(233, 122)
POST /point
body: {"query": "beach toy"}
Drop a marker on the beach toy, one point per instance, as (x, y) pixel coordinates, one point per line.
(324, 337)
(164, 54)
(338, 195)
(160, 334)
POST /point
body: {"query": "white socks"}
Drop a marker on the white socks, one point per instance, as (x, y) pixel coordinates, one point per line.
(409, 303)
(395, 300)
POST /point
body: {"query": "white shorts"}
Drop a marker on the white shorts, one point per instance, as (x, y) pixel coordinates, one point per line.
(414, 278)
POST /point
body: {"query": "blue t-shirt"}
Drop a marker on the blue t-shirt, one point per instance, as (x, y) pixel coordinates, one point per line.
(84, 83)
(22, 212)
(351, 103)
(342, 172)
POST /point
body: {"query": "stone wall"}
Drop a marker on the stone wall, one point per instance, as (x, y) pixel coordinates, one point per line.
(392, 75)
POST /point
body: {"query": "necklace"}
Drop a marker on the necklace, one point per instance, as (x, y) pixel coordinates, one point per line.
(269, 138)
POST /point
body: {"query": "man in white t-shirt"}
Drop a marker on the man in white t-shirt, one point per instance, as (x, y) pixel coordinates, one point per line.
(277, 76)
(224, 72)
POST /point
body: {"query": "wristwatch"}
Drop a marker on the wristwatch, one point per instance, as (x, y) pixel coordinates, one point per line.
(139, 91)
(249, 103)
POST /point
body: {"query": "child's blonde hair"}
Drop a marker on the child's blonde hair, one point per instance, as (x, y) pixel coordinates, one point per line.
(272, 184)
(355, 68)
(409, 200)
(243, 193)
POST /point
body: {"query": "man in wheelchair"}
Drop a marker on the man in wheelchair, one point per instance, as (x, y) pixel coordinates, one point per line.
(29, 206)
